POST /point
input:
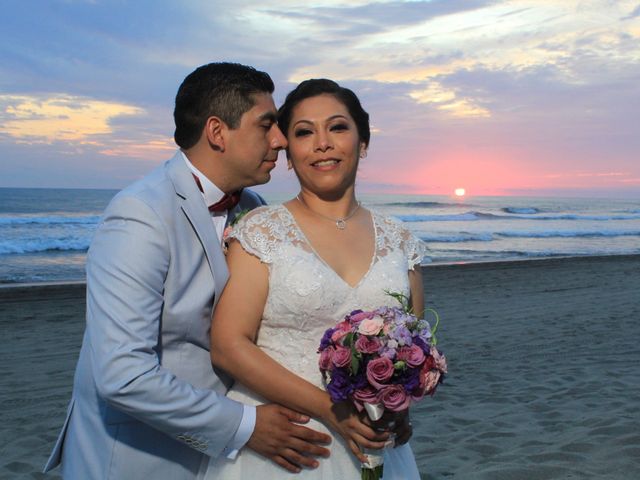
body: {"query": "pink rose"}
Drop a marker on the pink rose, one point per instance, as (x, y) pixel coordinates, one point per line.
(413, 355)
(439, 360)
(429, 364)
(371, 326)
(365, 395)
(338, 335)
(394, 398)
(431, 381)
(341, 357)
(379, 370)
(365, 344)
(403, 354)
(344, 325)
(325, 358)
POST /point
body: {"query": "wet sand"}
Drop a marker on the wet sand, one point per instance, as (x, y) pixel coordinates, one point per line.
(543, 356)
(544, 371)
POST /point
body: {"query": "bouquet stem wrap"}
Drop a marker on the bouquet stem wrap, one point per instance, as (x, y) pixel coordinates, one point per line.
(373, 468)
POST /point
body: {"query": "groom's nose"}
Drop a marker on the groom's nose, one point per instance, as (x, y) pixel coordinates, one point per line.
(278, 140)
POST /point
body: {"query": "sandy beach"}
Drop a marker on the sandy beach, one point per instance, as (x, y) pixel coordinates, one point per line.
(543, 355)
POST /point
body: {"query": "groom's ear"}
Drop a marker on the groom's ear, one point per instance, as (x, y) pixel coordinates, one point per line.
(213, 130)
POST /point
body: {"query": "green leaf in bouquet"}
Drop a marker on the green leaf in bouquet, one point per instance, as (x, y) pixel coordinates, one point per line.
(355, 362)
(434, 340)
(348, 339)
(403, 300)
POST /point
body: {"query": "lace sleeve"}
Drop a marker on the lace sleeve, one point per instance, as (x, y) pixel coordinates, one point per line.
(258, 233)
(393, 234)
(415, 249)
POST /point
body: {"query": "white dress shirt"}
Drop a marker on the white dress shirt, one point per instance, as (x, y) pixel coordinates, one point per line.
(210, 195)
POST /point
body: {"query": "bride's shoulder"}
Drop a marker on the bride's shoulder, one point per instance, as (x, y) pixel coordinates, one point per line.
(394, 234)
(388, 223)
(257, 217)
(261, 231)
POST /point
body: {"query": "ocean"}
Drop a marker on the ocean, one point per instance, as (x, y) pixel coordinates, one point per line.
(45, 233)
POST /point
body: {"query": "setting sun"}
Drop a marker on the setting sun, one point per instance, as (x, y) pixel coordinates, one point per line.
(460, 192)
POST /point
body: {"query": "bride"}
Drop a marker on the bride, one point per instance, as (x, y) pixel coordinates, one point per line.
(297, 269)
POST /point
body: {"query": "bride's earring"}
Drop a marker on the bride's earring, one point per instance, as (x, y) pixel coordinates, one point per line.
(289, 166)
(363, 154)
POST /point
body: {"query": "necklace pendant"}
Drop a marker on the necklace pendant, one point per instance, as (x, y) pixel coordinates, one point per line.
(341, 224)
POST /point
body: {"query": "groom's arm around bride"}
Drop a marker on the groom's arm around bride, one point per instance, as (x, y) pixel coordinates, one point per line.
(146, 401)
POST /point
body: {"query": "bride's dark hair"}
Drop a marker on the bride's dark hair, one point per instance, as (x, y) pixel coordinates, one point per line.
(322, 86)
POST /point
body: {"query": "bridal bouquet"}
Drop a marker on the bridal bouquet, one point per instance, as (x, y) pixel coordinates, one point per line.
(380, 360)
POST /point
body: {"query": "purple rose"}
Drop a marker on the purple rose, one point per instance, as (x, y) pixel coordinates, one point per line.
(341, 356)
(340, 385)
(365, 344)
(394, 398)
(379, 370)
(364, 395)
(412, 356)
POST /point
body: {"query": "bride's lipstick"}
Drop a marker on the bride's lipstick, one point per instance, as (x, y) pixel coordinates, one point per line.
(326, 164)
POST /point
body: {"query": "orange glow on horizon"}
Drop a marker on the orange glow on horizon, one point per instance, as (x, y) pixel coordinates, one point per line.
(491, 173)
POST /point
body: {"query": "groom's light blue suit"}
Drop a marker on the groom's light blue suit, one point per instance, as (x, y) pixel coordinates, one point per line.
(146, 402)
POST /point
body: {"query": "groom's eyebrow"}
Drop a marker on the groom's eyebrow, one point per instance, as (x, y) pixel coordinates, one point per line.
(268, 116)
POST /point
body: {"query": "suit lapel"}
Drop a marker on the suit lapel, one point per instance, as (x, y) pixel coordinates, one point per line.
(200, 219)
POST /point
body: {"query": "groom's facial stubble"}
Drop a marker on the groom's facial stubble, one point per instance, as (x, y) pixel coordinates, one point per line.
(251, 150)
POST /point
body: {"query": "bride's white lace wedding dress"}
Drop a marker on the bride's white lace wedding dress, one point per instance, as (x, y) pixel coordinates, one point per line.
(305, 298)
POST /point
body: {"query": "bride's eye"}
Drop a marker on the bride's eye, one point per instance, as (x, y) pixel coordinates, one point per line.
(302, 132)
(338, 127)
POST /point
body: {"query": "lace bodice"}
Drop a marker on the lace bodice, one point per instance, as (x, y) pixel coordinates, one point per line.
(305, 295)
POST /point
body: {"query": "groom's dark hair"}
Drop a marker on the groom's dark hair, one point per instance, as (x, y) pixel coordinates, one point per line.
(224, 90)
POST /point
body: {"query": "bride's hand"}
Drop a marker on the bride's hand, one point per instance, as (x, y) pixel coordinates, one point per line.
(345, 420)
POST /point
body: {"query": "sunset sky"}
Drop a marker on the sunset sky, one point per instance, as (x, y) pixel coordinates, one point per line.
(514, 97)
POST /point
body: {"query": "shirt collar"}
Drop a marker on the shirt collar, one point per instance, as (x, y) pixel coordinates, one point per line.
(210, 192)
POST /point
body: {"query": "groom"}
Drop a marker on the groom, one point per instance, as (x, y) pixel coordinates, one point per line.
(146, 402)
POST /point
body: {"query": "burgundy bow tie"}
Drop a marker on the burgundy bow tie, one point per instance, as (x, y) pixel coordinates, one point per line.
(227, 202)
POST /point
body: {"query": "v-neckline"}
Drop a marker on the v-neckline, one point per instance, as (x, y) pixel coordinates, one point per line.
(329, 267)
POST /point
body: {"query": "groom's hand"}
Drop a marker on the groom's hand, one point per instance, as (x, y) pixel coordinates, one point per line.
(278, 437)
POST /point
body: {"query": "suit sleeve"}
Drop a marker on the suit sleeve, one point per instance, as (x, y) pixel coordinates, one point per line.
(126, 268)
(252, 199)
(261, 200)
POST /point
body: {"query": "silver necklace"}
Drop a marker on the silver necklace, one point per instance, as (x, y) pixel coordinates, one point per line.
(341, 223)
